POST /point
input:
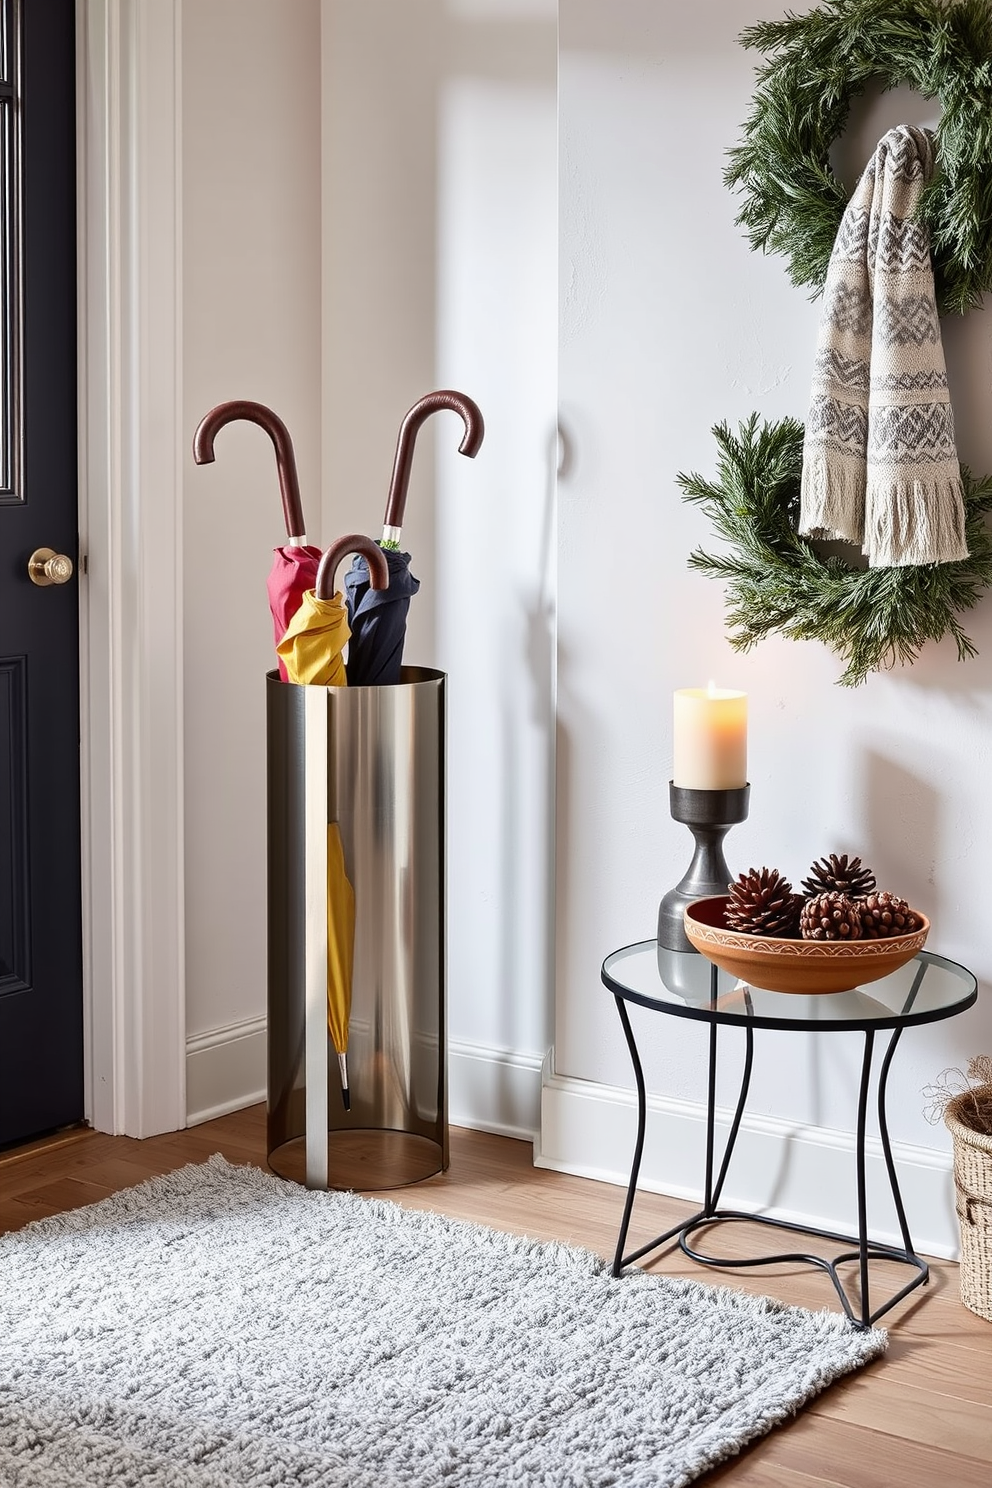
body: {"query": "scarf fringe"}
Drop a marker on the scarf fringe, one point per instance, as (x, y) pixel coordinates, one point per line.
(832, 501)
(914, 522)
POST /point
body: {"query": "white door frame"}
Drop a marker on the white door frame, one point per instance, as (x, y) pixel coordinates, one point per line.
(131, 445)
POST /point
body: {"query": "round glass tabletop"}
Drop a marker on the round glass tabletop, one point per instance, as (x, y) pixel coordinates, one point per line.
(687, 985)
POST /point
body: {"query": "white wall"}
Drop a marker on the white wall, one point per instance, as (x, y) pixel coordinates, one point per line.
(251, 275)
(370, 213)
(440, 270)
(386, 223)
(669, 325)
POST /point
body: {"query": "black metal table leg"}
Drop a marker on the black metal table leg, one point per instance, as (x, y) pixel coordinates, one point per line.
(710, 1107)
(735, 1124)
(675, 983)
(635, 1166)
(711, 1213)
(908, 1254)
(711, 1190)
(883, 1132)
(883, 1125)
(862, 1185)
(866, 1250)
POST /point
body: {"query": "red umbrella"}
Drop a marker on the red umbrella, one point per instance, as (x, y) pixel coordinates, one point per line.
(294, 567)
(318, 633)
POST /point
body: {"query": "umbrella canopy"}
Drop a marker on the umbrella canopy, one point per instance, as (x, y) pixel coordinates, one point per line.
(379, 619)
(378, 623)
(340, 952)
(311, 651)
(294, 566)
(312, 647)
(292, 575)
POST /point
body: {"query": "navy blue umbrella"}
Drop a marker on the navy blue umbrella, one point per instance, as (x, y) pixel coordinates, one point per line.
(378, 617)
(378, 620)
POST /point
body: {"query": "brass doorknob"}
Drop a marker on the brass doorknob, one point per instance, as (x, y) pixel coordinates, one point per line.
(45, 567)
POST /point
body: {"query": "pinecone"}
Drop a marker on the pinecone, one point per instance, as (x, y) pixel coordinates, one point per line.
(885, 914)
(762, 902)
(836, 875)
(830, 916)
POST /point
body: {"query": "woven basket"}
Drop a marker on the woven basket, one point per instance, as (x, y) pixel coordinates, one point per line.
(973, 1200)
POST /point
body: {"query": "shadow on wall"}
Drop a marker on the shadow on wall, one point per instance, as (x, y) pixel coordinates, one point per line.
(440, 255)
(564, 784)
(902, 829)
(496, 331)
(900, 815)
(535, 766)
(871, 115)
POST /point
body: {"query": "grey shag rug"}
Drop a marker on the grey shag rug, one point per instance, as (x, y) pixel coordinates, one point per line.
(219, 1328)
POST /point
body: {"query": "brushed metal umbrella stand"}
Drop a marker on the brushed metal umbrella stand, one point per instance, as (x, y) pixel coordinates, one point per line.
(357, 1031)
(371, 760)
(357, 1040)
(368, 760)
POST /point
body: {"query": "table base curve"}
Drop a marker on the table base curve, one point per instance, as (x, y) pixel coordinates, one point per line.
(866, 1250)
(875, 1251)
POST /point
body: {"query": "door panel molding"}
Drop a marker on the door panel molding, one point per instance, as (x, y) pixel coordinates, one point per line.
(15, 877)
(131, 471)
(11, 251)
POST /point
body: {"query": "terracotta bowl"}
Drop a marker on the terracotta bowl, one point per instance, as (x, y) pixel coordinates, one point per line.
(800, 966)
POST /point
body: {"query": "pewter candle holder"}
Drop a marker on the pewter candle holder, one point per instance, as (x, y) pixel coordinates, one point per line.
(709, 815)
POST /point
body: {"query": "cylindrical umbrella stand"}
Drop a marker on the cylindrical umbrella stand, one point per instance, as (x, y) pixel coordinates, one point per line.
(356, 845)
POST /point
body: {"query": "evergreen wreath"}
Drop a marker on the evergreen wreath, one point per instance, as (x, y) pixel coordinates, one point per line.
(777, 581)
(820, 62)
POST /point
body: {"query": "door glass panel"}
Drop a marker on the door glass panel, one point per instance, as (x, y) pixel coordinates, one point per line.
(10, 239)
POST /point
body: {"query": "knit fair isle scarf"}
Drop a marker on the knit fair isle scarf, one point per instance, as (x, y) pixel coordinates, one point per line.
(879, 463)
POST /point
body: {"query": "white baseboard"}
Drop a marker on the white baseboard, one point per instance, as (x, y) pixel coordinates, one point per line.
(489, 1089)
(779, 1168)
(577, 1126)
(494, 1090)
(225, 1070)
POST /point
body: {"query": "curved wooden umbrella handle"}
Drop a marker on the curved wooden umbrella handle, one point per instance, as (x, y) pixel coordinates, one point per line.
(353, 543)
(257, 413)
(431, 403)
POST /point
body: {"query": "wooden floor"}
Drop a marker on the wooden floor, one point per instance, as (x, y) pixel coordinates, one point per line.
(921, 1417)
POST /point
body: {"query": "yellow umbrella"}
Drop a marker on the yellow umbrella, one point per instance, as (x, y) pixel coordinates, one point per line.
(312, 650)
(313, 645)
(340, 952)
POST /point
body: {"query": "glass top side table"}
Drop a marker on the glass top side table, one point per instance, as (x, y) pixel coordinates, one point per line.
(684, 984)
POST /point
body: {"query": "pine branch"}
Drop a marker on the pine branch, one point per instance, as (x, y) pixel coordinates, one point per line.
(816, 65)
(776, 581)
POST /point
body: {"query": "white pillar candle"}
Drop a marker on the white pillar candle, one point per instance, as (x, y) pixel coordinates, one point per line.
(710, 740)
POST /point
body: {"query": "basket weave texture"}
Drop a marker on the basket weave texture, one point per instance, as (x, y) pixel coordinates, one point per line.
(973, 1200)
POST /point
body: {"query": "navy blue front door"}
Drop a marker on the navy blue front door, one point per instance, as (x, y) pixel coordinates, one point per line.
(41, 1017)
